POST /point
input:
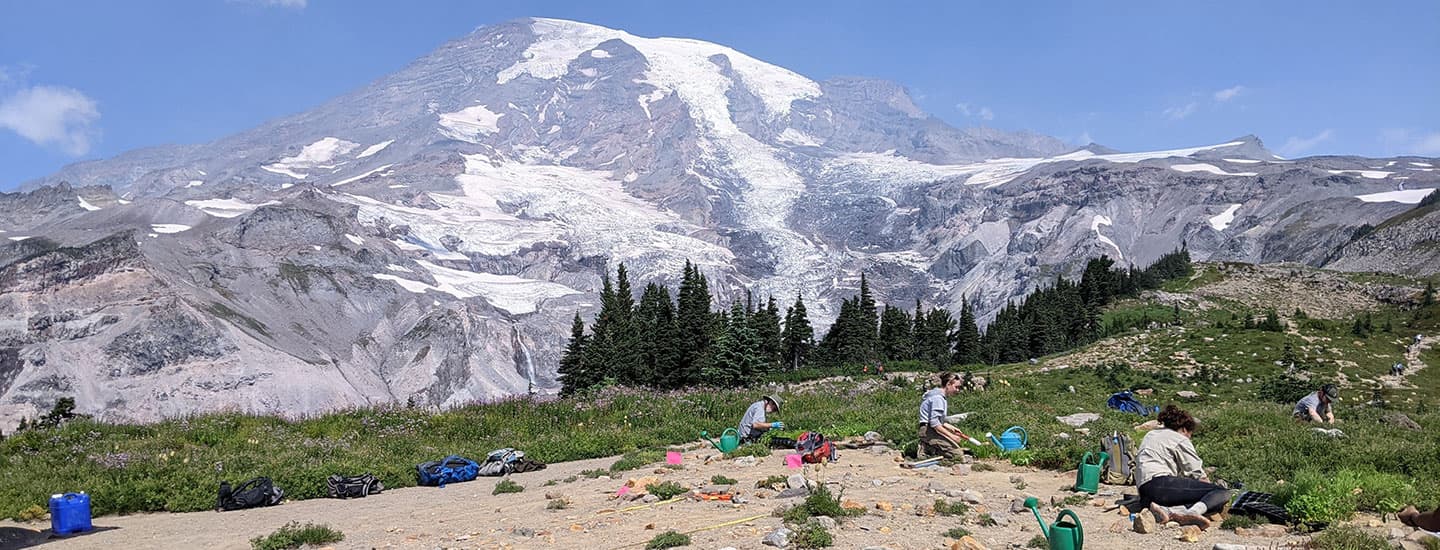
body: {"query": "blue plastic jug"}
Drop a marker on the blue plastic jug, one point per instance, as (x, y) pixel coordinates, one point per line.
(1012, 439)
(69, 513)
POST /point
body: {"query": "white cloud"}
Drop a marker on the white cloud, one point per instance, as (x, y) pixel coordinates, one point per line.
(52, 116)
(1228, 93)
(1297, 145)
(977, 111)
(1085, 138)
(1401, 141)
(1178, 113)
(296, 4)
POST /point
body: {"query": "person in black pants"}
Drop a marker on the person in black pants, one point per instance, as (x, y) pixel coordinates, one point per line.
(1171, 476)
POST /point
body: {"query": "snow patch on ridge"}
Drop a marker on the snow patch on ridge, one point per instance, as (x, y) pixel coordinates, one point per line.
(470, 123)
(315, 155)
(1210, 168)
(1223, 220)
(374, 149)
(168, 227)
(362, 176)
(1095, 224)
(1371, 174)
(1407, 196)
(226, 208)
(86, 205)
(508, 293)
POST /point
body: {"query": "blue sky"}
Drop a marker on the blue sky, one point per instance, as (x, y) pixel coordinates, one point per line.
(84, 80)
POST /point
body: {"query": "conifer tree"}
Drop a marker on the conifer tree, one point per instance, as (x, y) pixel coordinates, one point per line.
(658, 345)
(967, 336)
(896, 340)
(766, 324)
(600, 350)
(798, 338)
(572, 363)
(933, 344)
(693, 320)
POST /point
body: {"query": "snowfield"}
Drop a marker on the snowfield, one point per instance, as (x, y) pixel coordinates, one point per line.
(1372, 174)
(470, 123)
(226, 208)
(1223, 220)
(1209, 168)
(168, 227)
(1095, 224)
(508, 293)
(1407, 196)
(316, 155)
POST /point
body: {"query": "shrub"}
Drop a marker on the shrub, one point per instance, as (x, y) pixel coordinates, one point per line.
(1075, 500)
(1038, 541)
(984, 520)
(982, 467)
(1238, 521)
(33, 513)
(822, 503)
(754, 449)
(950, 509)
(507, 486)
(668, 539)
(666, 490)
(1347, 538)
(812, 535)
(958, 532)
(592, 474)
(722, 480)
(771, 482)
(294, 535)
(558, 504)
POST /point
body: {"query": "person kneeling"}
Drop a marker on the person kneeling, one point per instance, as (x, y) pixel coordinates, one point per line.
(753, 424)
(938, 439)
(1171, 476)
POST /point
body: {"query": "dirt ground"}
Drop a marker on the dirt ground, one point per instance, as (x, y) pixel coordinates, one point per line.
(466, 515)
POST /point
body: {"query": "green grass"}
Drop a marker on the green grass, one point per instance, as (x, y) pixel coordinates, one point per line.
(812, 535)
(666, 490)
(774, 483)
(984, 520)
(718, 479)
(558, 504)
(294, 535)
(1238, 521)
(950, 508)
(957, 532)
(1348, 538)
(668, 539)
(1038, 541)
(507, 486)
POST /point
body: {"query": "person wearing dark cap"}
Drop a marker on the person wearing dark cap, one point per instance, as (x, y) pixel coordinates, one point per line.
(1170, 475)
(753, 424)
(1316, 407)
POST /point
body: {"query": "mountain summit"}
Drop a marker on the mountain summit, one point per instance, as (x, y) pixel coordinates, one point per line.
(426, 238)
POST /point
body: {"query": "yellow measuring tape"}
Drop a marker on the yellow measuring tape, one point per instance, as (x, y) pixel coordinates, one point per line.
(675, 499)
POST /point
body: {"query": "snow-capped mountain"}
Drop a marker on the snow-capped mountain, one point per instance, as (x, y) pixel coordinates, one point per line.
(426, 238)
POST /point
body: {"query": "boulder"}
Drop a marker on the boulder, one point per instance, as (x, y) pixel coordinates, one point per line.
(1189, 533)
(779, 538)
(1144, 523)
(1078, 419)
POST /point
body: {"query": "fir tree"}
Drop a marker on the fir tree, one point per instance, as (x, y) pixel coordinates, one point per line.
(658, 337)
(967, 336)
(933, 344)
(572, 373)
(694, 321)
(896, 341)
(766, 324)
(735, 359)
(798, 338)
(1428, 298)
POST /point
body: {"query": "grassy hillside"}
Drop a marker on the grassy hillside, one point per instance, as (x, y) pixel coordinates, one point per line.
(1246, 431)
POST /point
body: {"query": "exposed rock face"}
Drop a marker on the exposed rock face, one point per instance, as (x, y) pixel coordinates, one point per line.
(426, 239)
(1408, 243)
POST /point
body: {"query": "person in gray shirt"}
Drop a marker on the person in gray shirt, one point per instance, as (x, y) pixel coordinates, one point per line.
(1316, 407)
(753, 424)
(936, 437)
(1169, 473)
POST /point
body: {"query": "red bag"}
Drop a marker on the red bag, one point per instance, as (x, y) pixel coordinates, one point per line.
(814, 449)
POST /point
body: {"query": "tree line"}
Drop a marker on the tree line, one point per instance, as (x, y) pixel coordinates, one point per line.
(669, 341)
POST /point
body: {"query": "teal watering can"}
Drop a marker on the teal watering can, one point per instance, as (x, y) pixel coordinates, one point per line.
(1012, 439)
(1064, 534)
(729, 440)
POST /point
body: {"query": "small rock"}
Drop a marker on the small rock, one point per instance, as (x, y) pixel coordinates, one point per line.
(1078, 419)
(884, 506)
(1171, 524)
(1017, 479)
(872, 436)
(1119, 526)
(554, 495)
(1418, 536)
(1144, 523)
(1098, 502)
(972, 497)
(1227, 546)
(1003, 521)
(885, 529)
(1374, 523)
(797, 481)
(954, 493)
(1148, 426)
(876, 482)
(523, 532)
(649, 498)
(851, 505)
(649, 527)
(935, 487)
(1187, 394)
(961, 469)
(745, 461)
(967, 542)
(790, 493)
(1017, 506)
(779, 538)
(1145, 391)
(1396, 533)
(827, 522)
(462, 538)
(1190, 533)
(1402, 421)
(1062, 435)
(1082, 431)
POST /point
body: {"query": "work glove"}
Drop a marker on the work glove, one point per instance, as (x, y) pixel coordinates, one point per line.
(777, 425)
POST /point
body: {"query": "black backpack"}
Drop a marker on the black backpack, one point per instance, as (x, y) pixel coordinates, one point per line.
(353, 486)
(254, 493)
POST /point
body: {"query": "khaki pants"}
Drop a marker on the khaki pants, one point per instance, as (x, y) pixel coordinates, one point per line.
(933, 444)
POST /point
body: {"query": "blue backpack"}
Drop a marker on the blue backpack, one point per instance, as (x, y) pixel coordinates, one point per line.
(1125, 402)
(451, 469)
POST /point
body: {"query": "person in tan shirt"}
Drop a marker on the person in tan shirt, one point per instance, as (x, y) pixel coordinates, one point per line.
(1169, 473)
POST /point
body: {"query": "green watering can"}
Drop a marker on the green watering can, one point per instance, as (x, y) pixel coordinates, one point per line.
(1087, 476)
(729, 440)
(1063, 534)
